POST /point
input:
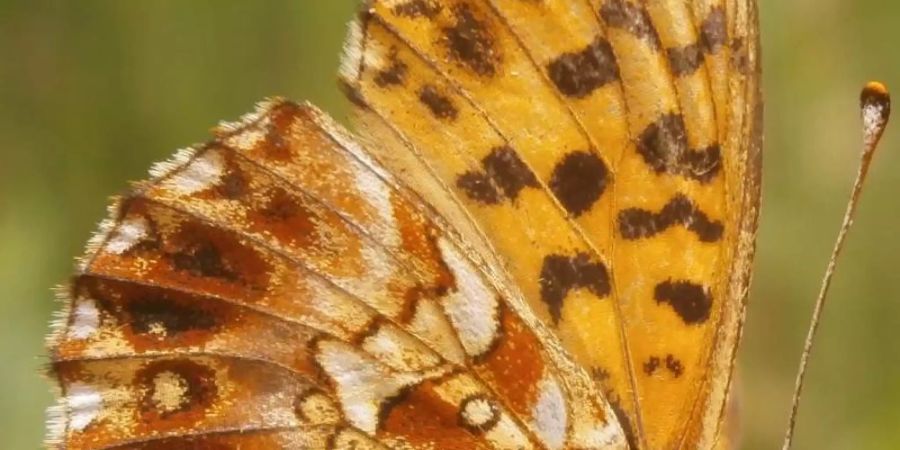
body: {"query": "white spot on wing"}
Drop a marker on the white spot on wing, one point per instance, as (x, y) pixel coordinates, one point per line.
(362, 385)
(85, 319)
(128, 234)
(378, 194)
(473, 307)
(202, 173)
(399, 350)
(479, 412)
(430, 324)
(549, 414)
(84, 404)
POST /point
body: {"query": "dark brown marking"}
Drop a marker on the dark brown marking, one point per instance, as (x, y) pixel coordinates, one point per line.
(439, 104)
(674, 365)
(632, 18)
(352, 93)
(636, 223)
(740, 60)
(479, 427)
(651, 365)
(663, 146)
(624, 422)
(470, 42)
(685, 60)
(691, 301)
(578, 74)
(504, 175)
(394, 74)
(199, 384)
(478, 187)
(714, 30)
(560, 274)
(174, 317)
(233, 185)
(578, 181)
(202, 258)
(417, 8)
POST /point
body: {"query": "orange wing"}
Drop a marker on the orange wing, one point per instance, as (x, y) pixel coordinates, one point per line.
(606, 152)
(276, 288)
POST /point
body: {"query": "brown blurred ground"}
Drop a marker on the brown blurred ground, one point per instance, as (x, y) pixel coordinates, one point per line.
(93, 91)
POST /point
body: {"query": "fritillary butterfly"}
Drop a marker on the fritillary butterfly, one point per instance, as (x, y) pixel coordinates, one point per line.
(539, 237)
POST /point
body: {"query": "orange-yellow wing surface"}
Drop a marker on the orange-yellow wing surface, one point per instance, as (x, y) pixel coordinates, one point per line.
(606, 154)
(277, 288)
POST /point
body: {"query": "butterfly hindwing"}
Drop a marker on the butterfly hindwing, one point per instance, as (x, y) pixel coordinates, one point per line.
(277, 288)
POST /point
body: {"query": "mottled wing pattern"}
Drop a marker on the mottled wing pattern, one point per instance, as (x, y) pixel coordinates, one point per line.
(606, 152)
(276, 288)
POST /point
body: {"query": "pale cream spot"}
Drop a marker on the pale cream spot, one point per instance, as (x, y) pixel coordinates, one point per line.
(85, 319)
(169, 392)
(430, 325)
(399, 350)
(479, 412)
(319, 409)
(204, 172)
(473, 307)
(84, 404)
(352, 53)
(378, 194)
(362, 385)
(128, 234)
(549, 414)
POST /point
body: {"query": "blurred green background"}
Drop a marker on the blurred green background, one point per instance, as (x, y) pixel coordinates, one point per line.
(93, 91)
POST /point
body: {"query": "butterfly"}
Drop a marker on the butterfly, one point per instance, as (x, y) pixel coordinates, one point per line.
(539, 236)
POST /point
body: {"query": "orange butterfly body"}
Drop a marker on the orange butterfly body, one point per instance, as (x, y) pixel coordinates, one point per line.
(540, 237)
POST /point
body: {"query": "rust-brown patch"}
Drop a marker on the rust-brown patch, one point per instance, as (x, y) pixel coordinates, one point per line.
(514, 362)
(286, 218)
(423, 418)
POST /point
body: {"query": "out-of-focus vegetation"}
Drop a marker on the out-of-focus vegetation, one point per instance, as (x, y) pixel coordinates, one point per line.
(93, 91)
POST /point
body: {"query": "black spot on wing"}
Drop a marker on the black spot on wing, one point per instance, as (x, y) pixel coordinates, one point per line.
(439, 104)
(470, 42)
(714, 30)
(636, 223)
(417, 8)
(685, 60)
(630, 17)
(560, 274)
(202, 258)
(692, 302)
(394, 74)
(578, 181)
(578, 74)
(663, 146)
(503, 175)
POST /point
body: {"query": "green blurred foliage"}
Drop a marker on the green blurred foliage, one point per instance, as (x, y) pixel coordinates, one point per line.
(93, 91)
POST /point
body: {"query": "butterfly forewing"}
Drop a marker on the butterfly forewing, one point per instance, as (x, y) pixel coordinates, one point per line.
(276, 288)
(606, 151)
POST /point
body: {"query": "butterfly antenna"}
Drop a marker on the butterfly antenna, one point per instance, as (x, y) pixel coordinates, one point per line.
(875, 105)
